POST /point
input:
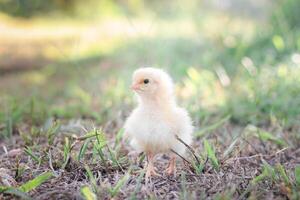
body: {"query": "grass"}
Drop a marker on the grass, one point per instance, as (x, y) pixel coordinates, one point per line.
(28, 186)
(64, 117)
(211, 154)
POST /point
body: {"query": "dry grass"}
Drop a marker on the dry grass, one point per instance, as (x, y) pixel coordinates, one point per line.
(236, 178)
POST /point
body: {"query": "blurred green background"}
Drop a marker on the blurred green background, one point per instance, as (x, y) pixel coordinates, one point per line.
(73, 59)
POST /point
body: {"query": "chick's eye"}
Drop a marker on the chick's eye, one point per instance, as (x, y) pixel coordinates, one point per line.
(146, 81)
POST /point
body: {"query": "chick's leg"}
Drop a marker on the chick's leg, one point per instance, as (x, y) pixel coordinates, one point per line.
(150, 170)
(172, 166)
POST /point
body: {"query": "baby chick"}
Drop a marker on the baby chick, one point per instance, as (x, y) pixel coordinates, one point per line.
(154, 124)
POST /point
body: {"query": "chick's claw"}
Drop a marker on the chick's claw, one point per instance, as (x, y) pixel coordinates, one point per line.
(171, 170)
(150, 171)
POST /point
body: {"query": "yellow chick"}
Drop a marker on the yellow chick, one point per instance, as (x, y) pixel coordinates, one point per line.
(154, 124)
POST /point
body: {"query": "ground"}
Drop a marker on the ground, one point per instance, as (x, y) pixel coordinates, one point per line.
(248, 167)
(64, 88)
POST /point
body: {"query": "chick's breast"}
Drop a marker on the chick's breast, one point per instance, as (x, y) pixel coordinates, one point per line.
(155, 131)
(149, 131)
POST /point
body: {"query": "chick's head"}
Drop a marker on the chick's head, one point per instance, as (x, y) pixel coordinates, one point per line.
(151, 82)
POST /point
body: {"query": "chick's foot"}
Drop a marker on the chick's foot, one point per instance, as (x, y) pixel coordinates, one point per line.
(171, 170)
(150, 171)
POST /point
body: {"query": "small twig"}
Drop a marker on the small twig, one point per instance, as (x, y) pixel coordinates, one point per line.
(246, 157)
(83, 128)
(259, 155)
(83, 137)
(189, 148)
(51, 165)
(50, 161)
(280, 151)
(5, 149)
(73, 145)
(181, 157)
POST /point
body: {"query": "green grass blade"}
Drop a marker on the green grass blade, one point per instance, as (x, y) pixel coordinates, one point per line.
(268, 172)
(119, 136)
(183, 193)
(115, 190)
(51, 132)
(3, 189)
(297, 175)
(101, 138)
(280, 169)
(211, 154)
(87, 193)
(212, 127)
(32, 184)
(141, 158)
(83, 149)
(18, 193)
(100, 152)
(89, 135)
(138, 185)
(99, 144)
(67, 150)
(29, 152)
(259, 178)
(113, 158)
(67, 147)
(264, 135)
(91, 176)
(270, 169)
(198, 167)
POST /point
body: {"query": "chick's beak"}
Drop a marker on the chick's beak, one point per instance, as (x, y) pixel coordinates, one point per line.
(135, 86)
